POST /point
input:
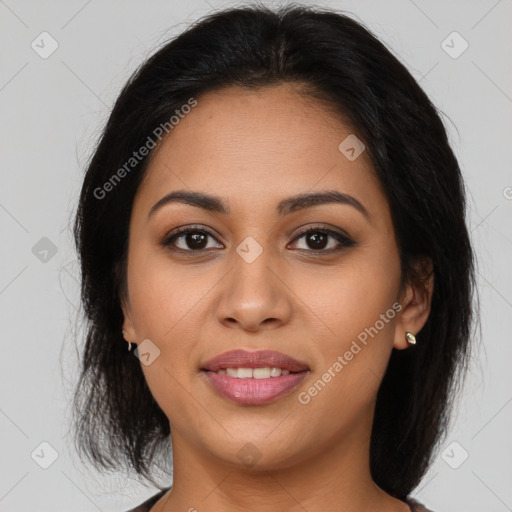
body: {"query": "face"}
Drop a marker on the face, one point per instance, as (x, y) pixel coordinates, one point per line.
(246, 276)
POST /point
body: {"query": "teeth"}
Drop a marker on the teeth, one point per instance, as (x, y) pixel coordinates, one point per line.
(275, 372)
(244, 373)
(254, 373)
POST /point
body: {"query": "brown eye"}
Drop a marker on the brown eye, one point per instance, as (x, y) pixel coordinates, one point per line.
(189, 239)
(323, 240)
(317, 240)
(196, 239)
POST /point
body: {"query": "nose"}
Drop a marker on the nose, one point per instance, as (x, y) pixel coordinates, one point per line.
(254, 296)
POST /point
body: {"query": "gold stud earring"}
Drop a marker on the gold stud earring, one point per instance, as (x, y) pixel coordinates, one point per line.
(410, 338)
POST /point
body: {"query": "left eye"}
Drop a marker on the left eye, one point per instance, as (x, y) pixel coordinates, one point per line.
(315, 239)
(318, 240)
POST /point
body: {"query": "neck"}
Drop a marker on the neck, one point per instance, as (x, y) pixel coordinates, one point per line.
(337, 477)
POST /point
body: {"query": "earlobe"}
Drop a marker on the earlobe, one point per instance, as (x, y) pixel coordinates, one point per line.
(416, 305)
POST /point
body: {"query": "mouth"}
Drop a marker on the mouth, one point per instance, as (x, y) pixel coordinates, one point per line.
(254, 378)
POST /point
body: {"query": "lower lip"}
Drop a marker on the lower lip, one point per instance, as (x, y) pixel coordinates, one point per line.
(254, 391)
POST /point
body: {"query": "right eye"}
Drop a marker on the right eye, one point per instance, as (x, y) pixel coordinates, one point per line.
(191, 238)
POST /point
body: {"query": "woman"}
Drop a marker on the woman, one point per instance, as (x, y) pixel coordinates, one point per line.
(273, 220)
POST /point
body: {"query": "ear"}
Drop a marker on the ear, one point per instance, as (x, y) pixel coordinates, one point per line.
(416, 299)
(128, 327)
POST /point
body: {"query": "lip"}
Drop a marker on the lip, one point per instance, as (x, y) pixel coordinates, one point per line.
(254, 391)
(258, 359)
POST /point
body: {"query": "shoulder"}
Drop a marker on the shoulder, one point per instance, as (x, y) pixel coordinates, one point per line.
(146, 506)
(416, 506)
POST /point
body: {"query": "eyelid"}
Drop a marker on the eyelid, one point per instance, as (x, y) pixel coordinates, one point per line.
(322, 228)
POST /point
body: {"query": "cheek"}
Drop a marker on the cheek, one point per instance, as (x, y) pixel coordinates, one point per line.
(357, 306)
(168, 307)
(163, 303)
(352, 296)
(161, 294)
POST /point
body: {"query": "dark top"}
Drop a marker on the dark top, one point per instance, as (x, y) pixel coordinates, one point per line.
(414, 505)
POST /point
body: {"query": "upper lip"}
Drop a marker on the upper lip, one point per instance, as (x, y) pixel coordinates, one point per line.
(258, 359)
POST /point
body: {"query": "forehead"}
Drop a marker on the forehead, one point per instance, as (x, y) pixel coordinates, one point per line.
(247, 144)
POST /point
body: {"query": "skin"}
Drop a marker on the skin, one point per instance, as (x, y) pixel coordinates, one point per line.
(253, 149)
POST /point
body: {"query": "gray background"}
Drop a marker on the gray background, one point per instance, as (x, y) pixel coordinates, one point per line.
(52, 111)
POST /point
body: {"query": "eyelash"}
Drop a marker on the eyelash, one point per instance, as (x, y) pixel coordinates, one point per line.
(344, 240)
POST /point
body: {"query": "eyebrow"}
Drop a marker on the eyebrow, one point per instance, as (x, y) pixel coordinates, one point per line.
(285, 207)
